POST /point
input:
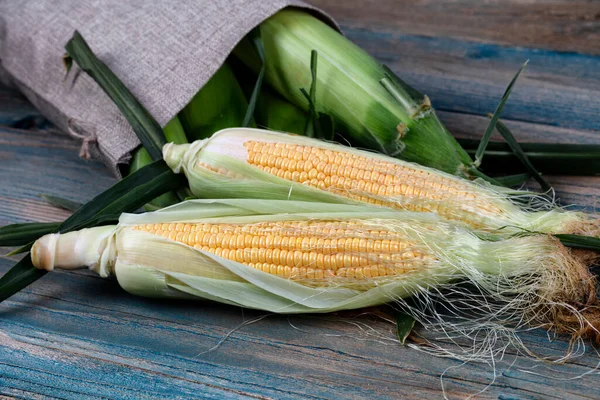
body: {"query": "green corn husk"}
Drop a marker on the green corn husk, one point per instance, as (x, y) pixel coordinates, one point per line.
(219, 167)
(271, 110)
(173, 133)
(349, 90)
(218, 105)
(517, 282)
(277, 114)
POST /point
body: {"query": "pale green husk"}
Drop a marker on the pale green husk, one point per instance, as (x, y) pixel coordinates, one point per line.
(225, 150)
(480, 290)
(154, 266)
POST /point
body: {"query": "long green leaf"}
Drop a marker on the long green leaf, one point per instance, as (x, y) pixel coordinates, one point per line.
(492, 125)
(21, 234)
(580, 242)
(513, 180)
(548, 158)
(60, 202)
(21, 275)
(404, 326)
(318, 125)
(96, 221)
(140, 194)
(310, 129)
(117, 191)
(520, 154)
(144, 125)
(258, 45)
(126, 195)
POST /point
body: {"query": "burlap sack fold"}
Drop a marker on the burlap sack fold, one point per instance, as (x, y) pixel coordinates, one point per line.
(164, 51)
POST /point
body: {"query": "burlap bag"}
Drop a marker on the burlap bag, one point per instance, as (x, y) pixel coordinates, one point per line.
(164, 51)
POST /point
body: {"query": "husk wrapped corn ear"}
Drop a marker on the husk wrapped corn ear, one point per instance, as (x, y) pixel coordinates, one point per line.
(306, 257)
(349, 90)
(253, 163)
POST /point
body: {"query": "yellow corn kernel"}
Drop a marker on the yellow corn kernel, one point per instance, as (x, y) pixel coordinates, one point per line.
(373, 181)
(302, 250)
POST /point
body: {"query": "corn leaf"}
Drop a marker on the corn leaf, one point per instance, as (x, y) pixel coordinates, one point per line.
(548, 158)
(404, 326)
(257, 43)
(21, 234)
(60, 202)
(318, 125)
(513, 180)
(144, 183)
(580, 242)
(145, 127)
(127, 195)
(520, 154)
(311, 122)
(21, 275)
(492, 125)
(98, 221)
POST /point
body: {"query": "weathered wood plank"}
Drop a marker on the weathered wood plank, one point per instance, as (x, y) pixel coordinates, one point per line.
(34, 162)
(16, 111)
(572, 25)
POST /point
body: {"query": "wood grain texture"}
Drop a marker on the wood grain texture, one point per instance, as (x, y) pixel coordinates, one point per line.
(76, 336)
(571, 25)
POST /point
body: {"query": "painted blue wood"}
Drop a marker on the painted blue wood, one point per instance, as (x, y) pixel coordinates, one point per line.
(80, 333)
(17, 112)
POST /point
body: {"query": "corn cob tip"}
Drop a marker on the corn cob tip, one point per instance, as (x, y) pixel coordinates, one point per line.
(174, 155)
(43, 252)
(73, 250)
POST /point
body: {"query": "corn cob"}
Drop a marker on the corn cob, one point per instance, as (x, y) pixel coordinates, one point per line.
(299, 257)
(349, 90)
(260, 164)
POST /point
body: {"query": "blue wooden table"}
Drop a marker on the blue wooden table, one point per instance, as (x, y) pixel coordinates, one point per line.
(74, 335)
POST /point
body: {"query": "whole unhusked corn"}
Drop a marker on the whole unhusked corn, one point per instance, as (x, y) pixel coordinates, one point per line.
(252, 163)
(307, 257)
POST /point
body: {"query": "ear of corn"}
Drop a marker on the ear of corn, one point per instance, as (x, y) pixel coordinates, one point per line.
(319, 257)
(349, 90)
(278, 114)
(218, 105)
(261, 164)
